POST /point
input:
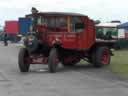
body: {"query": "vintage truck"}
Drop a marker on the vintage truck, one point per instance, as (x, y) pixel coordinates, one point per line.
(64, 38)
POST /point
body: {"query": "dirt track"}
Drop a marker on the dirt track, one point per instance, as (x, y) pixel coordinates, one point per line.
(81, 80)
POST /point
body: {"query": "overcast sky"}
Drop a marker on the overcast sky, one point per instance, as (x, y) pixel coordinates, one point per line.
(105, 10)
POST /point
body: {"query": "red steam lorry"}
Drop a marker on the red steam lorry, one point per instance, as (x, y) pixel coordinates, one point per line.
(64, 38)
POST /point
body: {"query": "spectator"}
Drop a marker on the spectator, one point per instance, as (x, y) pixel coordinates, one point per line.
(5, 39)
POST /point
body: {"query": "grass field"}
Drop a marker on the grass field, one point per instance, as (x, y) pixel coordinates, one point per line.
(119, 62)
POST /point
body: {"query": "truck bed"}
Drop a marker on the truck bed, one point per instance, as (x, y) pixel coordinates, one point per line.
(110, 43)
(105, 41)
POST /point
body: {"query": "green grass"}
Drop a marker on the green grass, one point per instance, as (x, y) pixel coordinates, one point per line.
(119, 62)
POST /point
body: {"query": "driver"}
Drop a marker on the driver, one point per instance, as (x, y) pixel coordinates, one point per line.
(34, 19)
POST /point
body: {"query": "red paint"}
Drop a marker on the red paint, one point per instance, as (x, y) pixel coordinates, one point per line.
(56, 60)
(71, 40)
(11, 27)
(105, 57)
(90, 34)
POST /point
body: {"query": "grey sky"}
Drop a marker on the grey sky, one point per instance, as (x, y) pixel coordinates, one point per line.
(105, 10)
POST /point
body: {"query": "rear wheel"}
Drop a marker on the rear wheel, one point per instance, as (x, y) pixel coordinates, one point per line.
(53, 60)
(23, 60)
(101, 57)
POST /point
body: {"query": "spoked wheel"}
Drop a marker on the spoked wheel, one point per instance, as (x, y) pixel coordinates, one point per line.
(23, 60)
(101, 57)
(105, 57)
(53, 60)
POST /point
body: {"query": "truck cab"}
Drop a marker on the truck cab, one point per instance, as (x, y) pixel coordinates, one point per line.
(71, 30)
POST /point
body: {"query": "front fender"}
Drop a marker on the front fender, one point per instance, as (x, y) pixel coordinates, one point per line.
(31, 45)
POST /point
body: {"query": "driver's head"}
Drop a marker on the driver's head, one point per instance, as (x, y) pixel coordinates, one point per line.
(34, 10)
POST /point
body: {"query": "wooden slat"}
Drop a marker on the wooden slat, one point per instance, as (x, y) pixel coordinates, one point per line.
(68, 21)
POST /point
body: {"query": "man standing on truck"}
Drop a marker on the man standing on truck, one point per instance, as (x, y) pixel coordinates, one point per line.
(34, 19)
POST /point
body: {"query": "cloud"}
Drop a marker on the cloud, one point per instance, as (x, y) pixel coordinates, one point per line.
(97, 9)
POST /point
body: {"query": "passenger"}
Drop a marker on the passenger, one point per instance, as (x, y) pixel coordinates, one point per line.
(100, 35)
(108, 35)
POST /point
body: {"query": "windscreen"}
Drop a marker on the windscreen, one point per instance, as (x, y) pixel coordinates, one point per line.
(54, 24)
(102, 32)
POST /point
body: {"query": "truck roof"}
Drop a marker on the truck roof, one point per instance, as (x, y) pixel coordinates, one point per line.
(59, 14)
(107, 25)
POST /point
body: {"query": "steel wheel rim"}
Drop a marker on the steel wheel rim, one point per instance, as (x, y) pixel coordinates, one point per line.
(56, 60)
(105, 57)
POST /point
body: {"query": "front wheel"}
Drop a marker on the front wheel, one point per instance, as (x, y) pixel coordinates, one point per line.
(23, 60)
(53, 60)
(101, 57)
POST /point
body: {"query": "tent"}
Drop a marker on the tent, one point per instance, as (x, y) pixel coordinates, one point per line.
(123, 26)
(109, 25)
